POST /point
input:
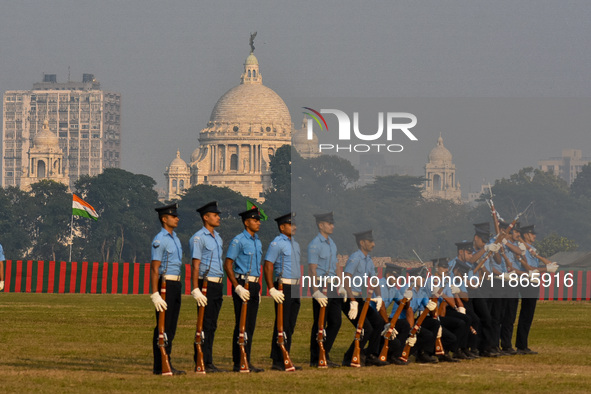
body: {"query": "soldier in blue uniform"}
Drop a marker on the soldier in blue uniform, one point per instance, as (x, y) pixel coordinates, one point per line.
(2, 258)
(242, 265)
(206, 255)
(283, 261)
(322, 260)
(166, 263)
(360, 265)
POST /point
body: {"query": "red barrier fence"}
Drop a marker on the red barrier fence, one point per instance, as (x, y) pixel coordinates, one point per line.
(134, 278)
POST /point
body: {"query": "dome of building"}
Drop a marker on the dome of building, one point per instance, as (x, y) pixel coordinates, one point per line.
(440, 154)
(251, 103)
(45, 138)
(251, 60)
(177, 163)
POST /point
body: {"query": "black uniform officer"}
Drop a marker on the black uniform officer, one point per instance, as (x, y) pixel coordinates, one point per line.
(243, 265)
(166, 265)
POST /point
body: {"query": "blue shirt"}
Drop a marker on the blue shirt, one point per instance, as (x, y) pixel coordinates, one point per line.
(2, 258)
(359, 265)
(420, 299)
(285, 256)
(208, 249)
(247, 253)
(323, 252)
(531, 260)
(392, 295)
(511, 256)
(167, 249)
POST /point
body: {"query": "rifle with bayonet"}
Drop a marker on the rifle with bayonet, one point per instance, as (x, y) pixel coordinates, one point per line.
(356, 359)
(281, 337)
(498, 239)
(199, 334)
(162, 338)
(242, 336)
(321, 336)
(388, 333)
(416, 328)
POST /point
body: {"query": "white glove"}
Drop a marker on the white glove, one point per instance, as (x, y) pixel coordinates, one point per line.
(1, 285)
(411, 341)
(431, 305)
(199, 297)
(462, 310)
(552, 267)
(352, 310)
(408, 294)
(436, 289)
(504, 241)
(159, 303)
(385, 330)
(343, 293)
(506, 276)
(455, 290)
(378, 301)
(522, 246)
(242, 293)
(321, 298)
(439, 332)
(277, 295)
(494, 248)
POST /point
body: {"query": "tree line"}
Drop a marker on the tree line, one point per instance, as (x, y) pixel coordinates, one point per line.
(36, 224)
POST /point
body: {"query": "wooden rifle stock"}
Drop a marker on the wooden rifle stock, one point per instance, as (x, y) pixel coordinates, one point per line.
(242, 334)
(435, 314)
(199, 364)
(287, 364)
(415, 329)
(356, 359)
(321, 337)
(162, 339)
(388, 334)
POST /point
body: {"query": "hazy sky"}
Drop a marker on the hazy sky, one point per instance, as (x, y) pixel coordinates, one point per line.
(172, 60)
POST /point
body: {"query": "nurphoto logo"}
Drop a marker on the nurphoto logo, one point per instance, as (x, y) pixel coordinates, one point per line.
(397, 123)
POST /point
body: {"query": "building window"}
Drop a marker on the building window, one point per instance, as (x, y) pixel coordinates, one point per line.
(234, 162)
(174, 186)
(436, 182)
(41, 169)
(182, 184)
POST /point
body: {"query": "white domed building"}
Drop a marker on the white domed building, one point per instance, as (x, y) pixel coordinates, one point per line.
(178, 177)
(45, 160)
(440, 175)
(246, 127)
(305, 147)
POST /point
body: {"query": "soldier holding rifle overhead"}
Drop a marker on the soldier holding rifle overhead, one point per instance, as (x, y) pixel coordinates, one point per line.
(206, 255)
(165, 278)
(283, 261)
(243, 265)
(359, 265)
(322, 260)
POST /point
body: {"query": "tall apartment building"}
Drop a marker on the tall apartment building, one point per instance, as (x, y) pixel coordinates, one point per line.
(566, 167)
(86, 119)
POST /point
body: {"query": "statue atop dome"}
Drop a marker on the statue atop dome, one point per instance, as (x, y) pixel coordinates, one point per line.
(252, 36)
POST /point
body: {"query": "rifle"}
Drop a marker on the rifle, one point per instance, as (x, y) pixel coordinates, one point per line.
(199, 334)
(388, 334)
(416, 327)
(356, 359)
(281, 337)
(162, 338)
(242, 336)
(496, 217)
(499, 238)
(321, 336)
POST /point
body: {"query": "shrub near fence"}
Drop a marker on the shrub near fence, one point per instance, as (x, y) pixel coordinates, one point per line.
(134, 278)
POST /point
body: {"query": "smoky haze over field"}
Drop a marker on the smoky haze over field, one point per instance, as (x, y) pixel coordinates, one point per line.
(171, 62)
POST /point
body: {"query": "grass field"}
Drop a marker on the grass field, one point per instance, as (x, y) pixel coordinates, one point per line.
(101, 343)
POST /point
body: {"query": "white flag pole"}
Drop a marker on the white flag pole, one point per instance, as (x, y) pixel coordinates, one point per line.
(71, 236)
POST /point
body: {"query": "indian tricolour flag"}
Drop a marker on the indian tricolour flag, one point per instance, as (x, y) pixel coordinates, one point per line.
(82, 208)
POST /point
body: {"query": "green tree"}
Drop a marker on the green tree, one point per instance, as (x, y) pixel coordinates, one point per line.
(553, 244)
(581, 187)
(16, 218)
(125, 203)
(51, 212)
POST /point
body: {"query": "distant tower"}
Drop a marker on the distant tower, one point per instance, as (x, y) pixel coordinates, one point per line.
(299, 140)
(440, 174)
(178, 177)
(45, 159)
